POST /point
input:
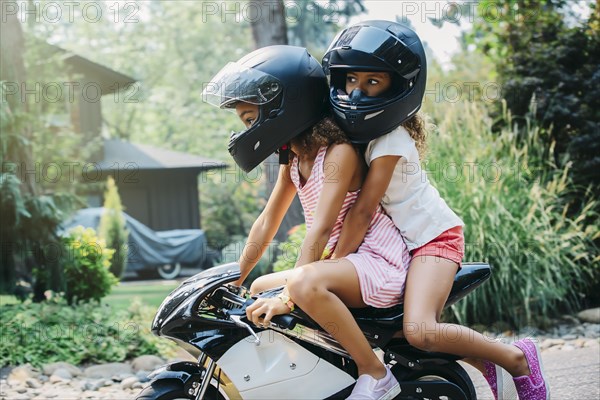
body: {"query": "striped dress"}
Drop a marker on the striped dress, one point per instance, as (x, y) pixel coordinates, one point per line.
(382, 259)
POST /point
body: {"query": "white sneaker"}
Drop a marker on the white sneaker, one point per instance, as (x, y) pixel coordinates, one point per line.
(369, 388)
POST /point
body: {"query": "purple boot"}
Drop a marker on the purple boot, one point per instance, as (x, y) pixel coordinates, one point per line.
(533, 386)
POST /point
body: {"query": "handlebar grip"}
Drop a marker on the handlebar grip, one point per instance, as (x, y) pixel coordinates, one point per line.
(284, 321)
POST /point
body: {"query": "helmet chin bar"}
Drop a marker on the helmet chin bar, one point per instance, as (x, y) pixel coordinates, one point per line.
(358, 98)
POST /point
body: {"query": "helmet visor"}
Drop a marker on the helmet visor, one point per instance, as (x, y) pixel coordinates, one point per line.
(235, 83)
(378, 43)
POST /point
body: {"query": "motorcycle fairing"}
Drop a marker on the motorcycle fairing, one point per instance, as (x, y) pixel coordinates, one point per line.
(205, 281)
(267, 371)
(178, 319)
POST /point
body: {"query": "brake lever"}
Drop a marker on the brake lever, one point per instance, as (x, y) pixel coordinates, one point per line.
(237, 319)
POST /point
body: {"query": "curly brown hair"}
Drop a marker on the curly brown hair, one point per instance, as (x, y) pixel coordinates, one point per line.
(323, 133)
(417, 127)
(326, 132)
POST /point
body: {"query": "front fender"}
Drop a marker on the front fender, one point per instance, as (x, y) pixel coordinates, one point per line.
(184, 371)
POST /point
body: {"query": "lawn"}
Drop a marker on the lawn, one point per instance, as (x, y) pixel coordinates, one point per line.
(150, 293)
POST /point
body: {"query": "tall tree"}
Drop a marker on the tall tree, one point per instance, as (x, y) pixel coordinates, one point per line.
(313, 24)
(29, 216)
(12, 72)
(271, 29)
(13, 76)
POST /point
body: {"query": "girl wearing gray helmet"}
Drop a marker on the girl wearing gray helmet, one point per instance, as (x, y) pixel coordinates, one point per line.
(377, 72)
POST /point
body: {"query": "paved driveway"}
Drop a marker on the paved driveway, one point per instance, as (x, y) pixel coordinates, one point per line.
(573, 374)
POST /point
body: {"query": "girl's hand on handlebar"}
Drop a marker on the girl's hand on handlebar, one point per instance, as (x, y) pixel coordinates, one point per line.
(263, 309)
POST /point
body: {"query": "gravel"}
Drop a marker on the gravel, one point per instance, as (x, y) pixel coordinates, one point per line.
(124, 380)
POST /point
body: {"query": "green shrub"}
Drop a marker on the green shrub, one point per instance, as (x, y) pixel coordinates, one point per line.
(112, 228)
(230, 207)
(510, 197)
(232, 252)
(41, 333)
(555, 60)
(288, 251)
(86, 266)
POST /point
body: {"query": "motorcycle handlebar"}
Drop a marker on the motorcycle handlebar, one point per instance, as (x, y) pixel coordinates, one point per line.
(284, 321)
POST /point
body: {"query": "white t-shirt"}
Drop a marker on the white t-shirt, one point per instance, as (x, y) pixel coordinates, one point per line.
(411, 201)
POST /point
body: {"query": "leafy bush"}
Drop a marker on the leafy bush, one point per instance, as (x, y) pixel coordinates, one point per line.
(557, 62)
(112, 228)
(86, 266)
(233, 251)
(40, 333)
(230, 207)
(288, 251)
(510, 196)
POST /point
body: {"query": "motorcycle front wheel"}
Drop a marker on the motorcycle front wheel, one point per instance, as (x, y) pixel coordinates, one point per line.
(171, 389)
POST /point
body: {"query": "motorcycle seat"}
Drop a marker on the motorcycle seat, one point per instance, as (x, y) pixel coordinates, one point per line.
(468, 278)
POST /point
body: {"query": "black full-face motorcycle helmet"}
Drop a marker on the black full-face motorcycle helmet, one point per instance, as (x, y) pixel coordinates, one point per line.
(290, 89)
(376, 46)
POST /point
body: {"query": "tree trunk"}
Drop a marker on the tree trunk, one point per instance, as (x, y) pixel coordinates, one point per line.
(23, 244)
(294, 215)
(12, 72)
(271, 29)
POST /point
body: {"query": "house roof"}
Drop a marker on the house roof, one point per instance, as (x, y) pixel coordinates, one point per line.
(109, 80)
(119, 154)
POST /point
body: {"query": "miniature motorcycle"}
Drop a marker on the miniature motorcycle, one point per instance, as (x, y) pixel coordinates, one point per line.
(293, 358)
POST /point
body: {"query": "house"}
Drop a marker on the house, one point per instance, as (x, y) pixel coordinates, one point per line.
(158, 187)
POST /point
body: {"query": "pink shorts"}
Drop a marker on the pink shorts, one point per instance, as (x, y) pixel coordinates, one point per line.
(449, 245)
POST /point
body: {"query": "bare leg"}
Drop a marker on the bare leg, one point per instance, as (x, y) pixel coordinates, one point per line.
(270, 281)
(427, 287)
(325, 290)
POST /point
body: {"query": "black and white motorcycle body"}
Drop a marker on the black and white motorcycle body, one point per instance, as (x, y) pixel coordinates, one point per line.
(293, 358)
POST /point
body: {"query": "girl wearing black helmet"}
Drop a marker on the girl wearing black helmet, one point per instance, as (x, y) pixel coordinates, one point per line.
(279, 93)
(377, 72)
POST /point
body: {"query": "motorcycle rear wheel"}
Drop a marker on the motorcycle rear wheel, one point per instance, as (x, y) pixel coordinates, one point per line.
(453, 373)
(171, 389)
